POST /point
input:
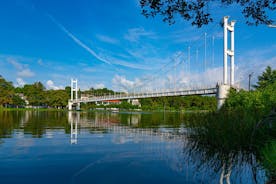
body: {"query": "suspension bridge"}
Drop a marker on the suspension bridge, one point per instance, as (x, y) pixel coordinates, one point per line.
(220, 90)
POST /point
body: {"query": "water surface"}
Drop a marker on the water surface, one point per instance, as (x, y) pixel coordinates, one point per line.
(105, 147)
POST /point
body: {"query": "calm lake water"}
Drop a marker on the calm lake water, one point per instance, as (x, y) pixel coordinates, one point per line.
(106, 147)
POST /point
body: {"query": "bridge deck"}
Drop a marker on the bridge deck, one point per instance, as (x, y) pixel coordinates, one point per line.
(205, 91)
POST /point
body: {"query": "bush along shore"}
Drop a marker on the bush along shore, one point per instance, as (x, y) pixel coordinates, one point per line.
(243, 130)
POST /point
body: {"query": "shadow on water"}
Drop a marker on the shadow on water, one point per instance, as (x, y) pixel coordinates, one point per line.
(231, 146)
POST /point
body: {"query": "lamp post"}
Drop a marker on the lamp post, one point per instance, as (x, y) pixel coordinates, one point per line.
(249, 81)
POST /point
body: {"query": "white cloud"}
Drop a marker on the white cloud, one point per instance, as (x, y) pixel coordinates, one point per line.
(106, 39)
(40, 62)
(255, 61)
(120, 83)
(208, 78)
(50, 85)
(255, 66)
(134, 34)
(99, 86)
(16, 64)
(22, 70)
(169, 81)
(20, 82)
(25, 73)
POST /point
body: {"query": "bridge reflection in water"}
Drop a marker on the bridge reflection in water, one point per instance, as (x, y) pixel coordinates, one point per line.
(110, 123)
(165, 143)
(175, 146)
(126, 146)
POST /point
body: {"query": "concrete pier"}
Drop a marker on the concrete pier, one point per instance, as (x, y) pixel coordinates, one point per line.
(70, 105)
(222, 93)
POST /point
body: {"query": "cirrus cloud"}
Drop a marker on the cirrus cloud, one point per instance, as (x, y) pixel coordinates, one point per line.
(134, 34)
(25, 73)
(106, 39)
(22, 69)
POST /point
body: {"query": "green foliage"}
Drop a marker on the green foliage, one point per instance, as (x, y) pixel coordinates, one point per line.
(99, 92)
(268, 77)
(269, 158)
(246, 122)
(230, 137)
(57, 98)
(255, 11)
(179, 103)
(17, 101)
(35, 93)
(259, 102)
(6, 91)
(126, 105)
(68, 90)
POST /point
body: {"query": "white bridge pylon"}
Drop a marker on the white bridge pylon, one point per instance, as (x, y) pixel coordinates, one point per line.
(74, 95)
(74, 89)
(228, 52)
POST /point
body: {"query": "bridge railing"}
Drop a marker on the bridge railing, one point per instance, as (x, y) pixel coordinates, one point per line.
(203, 91)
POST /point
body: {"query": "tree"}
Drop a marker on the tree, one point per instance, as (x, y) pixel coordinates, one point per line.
(6, 91)
(17, 101)
(98, 92)
(68, 91)
(268, 77)
(57, 98)
(255, 11)
(35, 93)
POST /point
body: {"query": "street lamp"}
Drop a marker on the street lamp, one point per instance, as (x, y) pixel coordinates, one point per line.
(249, 80)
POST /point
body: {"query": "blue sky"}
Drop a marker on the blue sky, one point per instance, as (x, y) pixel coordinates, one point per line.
(110, 44)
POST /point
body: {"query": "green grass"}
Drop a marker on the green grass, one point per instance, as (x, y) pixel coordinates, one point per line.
(269, 158)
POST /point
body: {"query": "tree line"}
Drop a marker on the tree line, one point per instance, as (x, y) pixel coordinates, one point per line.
(180, 103)
(32, 94)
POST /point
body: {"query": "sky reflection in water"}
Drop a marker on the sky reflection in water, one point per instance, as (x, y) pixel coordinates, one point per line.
(48, 147)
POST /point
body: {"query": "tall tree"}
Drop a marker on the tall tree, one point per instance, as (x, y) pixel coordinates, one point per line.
(268, 77)
(57, 98)
(197, 11)
(6, 91)
(35, 93)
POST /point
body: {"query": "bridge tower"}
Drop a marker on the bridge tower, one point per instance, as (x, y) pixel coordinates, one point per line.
(224, 88)
(228, 52)
(74, 94)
